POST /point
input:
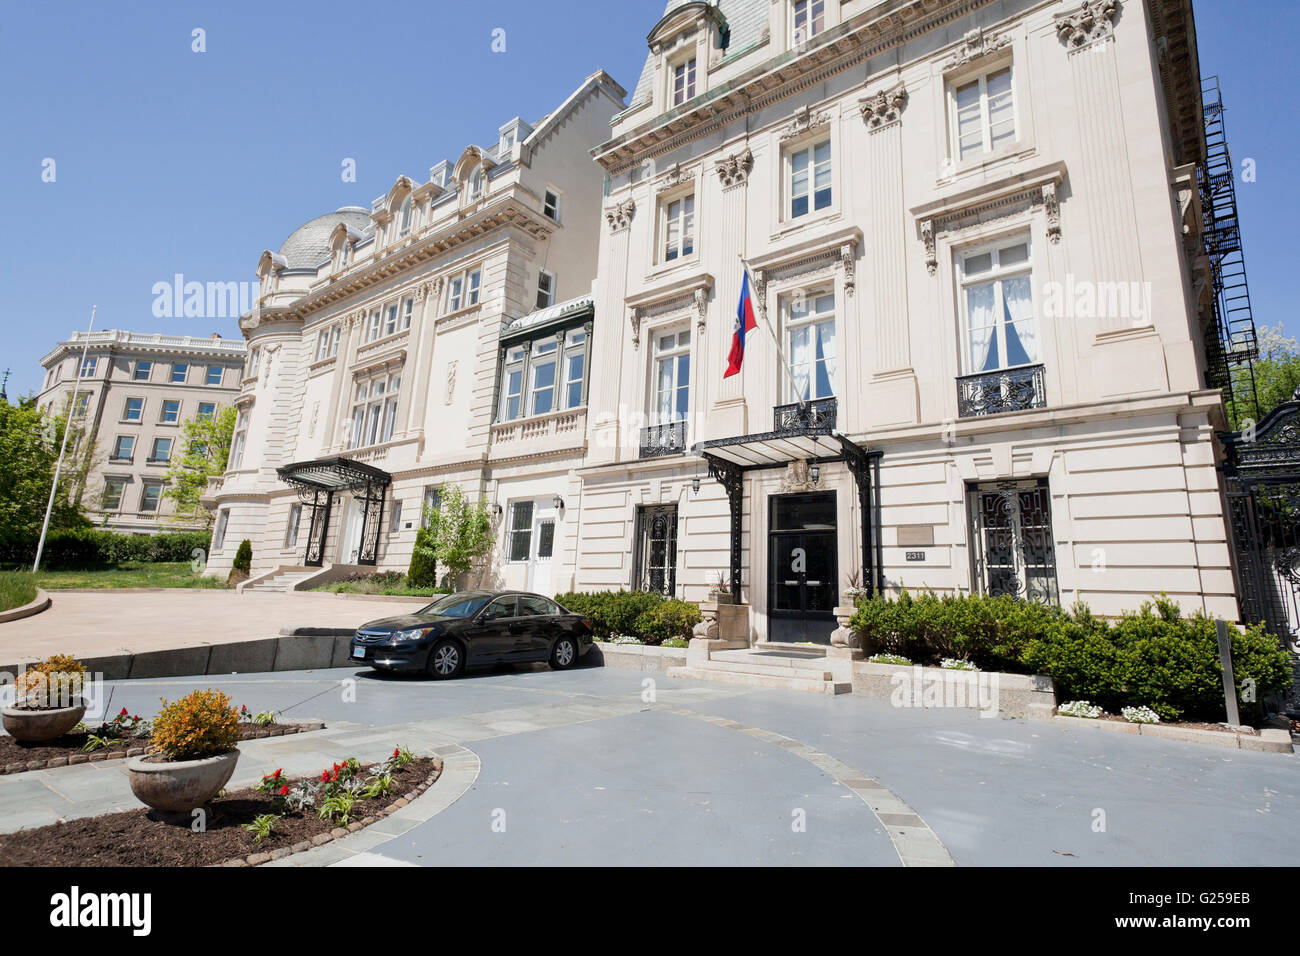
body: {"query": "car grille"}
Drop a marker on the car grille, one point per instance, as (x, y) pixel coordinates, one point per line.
(372, 637)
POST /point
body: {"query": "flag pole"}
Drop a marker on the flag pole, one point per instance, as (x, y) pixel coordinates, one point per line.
(780, 352)
(67, 427)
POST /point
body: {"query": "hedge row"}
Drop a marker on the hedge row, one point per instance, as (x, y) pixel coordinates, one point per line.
(647, 616)
(1157, 656)
(87, 548)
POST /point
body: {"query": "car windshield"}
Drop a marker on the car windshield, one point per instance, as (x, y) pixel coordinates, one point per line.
(457, 605)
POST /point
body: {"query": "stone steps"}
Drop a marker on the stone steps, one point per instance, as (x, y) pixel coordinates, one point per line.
(753, 678)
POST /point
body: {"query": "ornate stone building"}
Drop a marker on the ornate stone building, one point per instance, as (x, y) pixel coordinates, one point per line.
(132, 395)
(440, 336)
(985, 336)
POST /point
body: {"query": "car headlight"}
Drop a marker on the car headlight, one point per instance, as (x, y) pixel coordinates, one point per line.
(408, 635)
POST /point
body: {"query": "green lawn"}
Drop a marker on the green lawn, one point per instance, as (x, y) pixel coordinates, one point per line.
(16, 589)
(160, 574)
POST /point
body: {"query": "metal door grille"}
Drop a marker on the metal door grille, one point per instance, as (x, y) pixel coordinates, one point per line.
(1012, 547)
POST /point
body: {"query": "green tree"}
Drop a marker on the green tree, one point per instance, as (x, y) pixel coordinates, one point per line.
(205, 446)
(1273, 378)
(29, 451)
(458, 532)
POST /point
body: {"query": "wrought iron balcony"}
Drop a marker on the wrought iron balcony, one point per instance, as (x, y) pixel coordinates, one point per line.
(666, 439)
(818, 413)
(1010, 390)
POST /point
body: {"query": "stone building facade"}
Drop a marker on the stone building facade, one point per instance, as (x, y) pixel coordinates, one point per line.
(131, 396)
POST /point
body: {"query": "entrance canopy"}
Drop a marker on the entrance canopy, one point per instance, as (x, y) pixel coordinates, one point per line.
(803, 432)
(333, 474)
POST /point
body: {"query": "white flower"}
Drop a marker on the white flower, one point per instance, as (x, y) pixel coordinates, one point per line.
(1140, 715)
(1080, 708)
(954, 664)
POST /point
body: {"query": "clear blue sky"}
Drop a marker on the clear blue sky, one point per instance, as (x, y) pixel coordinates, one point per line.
(173, 161)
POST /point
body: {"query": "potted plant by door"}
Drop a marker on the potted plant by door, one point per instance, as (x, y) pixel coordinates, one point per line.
(47, 700)
(855, 591)
(193, 753)
(720, 592)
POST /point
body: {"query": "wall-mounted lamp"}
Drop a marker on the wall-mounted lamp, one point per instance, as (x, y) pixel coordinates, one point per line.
(559, 503)
(496, 510)
(814, 472)
(695, 485)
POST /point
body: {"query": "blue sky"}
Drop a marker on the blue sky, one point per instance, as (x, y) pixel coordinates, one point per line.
(168, 160)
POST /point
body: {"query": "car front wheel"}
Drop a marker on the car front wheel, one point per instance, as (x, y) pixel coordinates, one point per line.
(564, 653)
(445, 660)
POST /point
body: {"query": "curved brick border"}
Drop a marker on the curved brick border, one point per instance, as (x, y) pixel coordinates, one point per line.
(320, 839)
(43, 601)
(101, 755)
(914, 842)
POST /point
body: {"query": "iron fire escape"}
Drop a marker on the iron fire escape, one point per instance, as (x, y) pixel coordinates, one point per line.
(1231, 348)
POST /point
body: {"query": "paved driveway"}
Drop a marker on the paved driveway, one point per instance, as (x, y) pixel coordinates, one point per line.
(590, 767)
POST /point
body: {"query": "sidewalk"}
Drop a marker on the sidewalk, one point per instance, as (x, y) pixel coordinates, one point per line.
(108, 623)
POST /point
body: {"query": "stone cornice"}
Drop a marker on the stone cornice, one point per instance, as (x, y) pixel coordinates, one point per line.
(839, 48)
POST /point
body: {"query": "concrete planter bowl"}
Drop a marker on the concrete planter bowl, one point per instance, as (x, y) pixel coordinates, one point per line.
(179, 785)
(35, 725)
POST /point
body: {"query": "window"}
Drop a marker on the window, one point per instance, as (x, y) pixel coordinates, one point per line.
(541, 388)
(81, 405)
(520, 535)
(408, 310)
(672, 376)
(111, 498)
(142, 369)
(683, 82)
(291, 529)
(530, 604)
(334, 340)
(133, 411)
(150, 495)
(254, 359)
(678, 227)
(374, 411)
(322, 344)
(390, 321)
(545, 289)
(207, 409)
(512, 383)
(179, 371)
(551, 205)
(162, 451)
(1012, 545)
(432, 496)
(374, 325)
(463, 290)
(171, 412)
(998, 306)
(476, 180)
(502, 607)
(88, 367)
(345, 254)
(123, 448)
(809, 185)
(809, 19)
(394, 516)
(219, 533)
(575, 363)
(214, 374)
(810, 344)
(983, 114)
(404, 216)
(654, 563)
(507, 142)
(237, 442)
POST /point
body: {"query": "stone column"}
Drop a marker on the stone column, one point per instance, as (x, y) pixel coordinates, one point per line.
(420, 357)
(340, 393)
(892, 396)
(606, 405)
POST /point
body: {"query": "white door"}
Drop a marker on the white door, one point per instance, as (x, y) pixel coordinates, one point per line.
(351, 548)
(539, 573)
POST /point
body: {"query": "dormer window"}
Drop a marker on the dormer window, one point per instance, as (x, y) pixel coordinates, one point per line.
(683, 82)
(476, 181)
(405, 214)
(507, 142)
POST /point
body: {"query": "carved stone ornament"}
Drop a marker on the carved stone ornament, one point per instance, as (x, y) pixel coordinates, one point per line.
(1053, 209)
(634, 316)
(927, 237)
(619, 216)
(734, 170)
(673, 178)
(701, 307)
(355, 318)
(883, 108)
(849, 263)
(1092, 23)
(803, 121)
(422, 292)
(975, 44)
(797, 477)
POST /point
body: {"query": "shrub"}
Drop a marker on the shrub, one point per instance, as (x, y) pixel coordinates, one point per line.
(52, 683)
(423, 572)
(243, 557)
(201, 724)
(644, 615)
(92, 548)
(1156, 657)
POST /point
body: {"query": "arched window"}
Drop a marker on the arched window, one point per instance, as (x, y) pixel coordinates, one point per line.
(404, 215)
(476, 183)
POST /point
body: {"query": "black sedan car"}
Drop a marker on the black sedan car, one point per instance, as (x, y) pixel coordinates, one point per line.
(473, 629)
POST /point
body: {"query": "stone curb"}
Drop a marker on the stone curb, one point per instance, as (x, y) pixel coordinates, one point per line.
(320, 839)
(1270, 740)
(42, 602)
(80, 757)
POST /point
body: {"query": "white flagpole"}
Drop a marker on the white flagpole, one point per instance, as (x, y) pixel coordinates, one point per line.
(780, 352)
(67, 427)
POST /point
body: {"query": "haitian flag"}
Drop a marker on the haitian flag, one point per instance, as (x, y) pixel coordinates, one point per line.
(744, 322)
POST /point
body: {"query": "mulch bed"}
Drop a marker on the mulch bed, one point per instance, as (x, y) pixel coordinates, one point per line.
(61, 751)
(150, 838)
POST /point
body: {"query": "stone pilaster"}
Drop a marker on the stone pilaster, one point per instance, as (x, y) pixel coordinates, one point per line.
(728, 411)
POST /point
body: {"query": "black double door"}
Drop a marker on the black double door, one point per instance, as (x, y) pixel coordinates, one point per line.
(803, 572)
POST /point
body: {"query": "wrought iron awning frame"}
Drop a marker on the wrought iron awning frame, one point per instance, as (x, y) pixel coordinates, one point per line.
(366, 483)
(828, 445)
(356, 474)
(1270, 449)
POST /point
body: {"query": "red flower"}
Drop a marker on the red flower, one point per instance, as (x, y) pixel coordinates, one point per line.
(325, 776)
(284, 789)
(397, 751)
(277, 773)
(123, 713)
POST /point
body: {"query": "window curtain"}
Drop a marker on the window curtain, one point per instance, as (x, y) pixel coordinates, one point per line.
(1018, 302)
(979, 320)
(800, 360)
